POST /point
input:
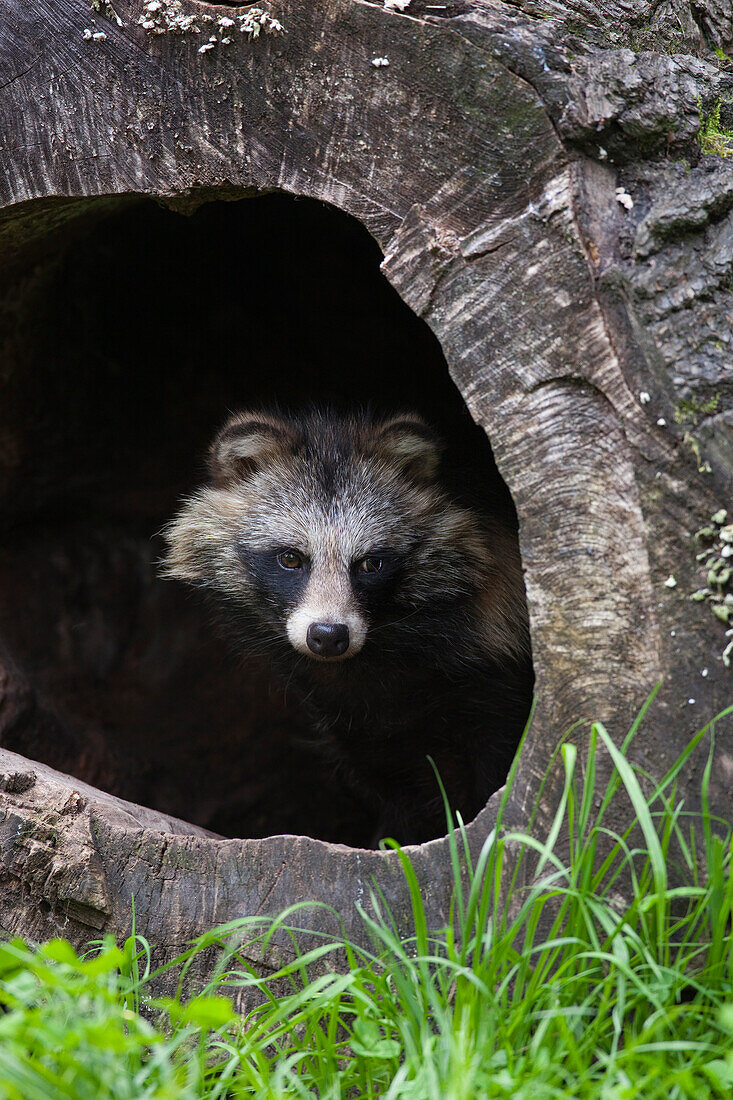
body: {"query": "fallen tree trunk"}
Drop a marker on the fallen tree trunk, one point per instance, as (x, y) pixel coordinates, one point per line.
(551, 194)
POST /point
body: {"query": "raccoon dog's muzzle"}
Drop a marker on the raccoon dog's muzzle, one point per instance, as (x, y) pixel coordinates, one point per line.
(326, 634)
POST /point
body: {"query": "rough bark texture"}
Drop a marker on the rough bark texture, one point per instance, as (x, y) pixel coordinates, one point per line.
(533, 175)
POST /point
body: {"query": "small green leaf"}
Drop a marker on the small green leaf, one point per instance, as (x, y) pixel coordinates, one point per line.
(105, 961)
(60, 951)
(12, 956)
(369, 1042)
(208, 1012)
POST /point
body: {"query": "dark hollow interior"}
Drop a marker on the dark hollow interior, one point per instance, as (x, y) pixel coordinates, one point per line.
(122, 351)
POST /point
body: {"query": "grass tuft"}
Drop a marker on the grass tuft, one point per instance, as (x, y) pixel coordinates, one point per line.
(590, 964)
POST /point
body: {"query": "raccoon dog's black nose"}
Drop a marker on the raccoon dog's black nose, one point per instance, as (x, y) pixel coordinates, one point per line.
(328, 639)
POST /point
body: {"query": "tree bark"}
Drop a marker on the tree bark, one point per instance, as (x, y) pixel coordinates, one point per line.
(534, 176)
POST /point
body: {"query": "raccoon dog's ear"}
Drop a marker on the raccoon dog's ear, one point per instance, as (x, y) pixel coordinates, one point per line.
(408, 442)
(247, 441)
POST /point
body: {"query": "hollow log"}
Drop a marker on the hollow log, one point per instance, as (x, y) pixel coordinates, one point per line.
(550, 193)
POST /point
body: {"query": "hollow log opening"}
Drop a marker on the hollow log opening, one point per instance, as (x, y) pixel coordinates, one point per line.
(127, 348)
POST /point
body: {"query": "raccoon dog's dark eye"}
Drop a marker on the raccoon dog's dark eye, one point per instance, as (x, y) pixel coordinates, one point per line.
(290, 559)
(370, 565)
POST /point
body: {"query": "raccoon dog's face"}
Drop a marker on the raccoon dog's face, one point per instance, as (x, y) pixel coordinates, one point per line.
(310, 523)
(322, 529)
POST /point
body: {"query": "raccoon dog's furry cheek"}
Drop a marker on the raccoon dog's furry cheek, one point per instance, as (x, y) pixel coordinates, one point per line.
(298, 622)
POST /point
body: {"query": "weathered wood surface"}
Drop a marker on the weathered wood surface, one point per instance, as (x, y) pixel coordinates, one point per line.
(535, 182)
(74, 859)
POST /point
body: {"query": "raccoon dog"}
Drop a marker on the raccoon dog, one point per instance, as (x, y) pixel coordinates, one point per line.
(394, 611)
